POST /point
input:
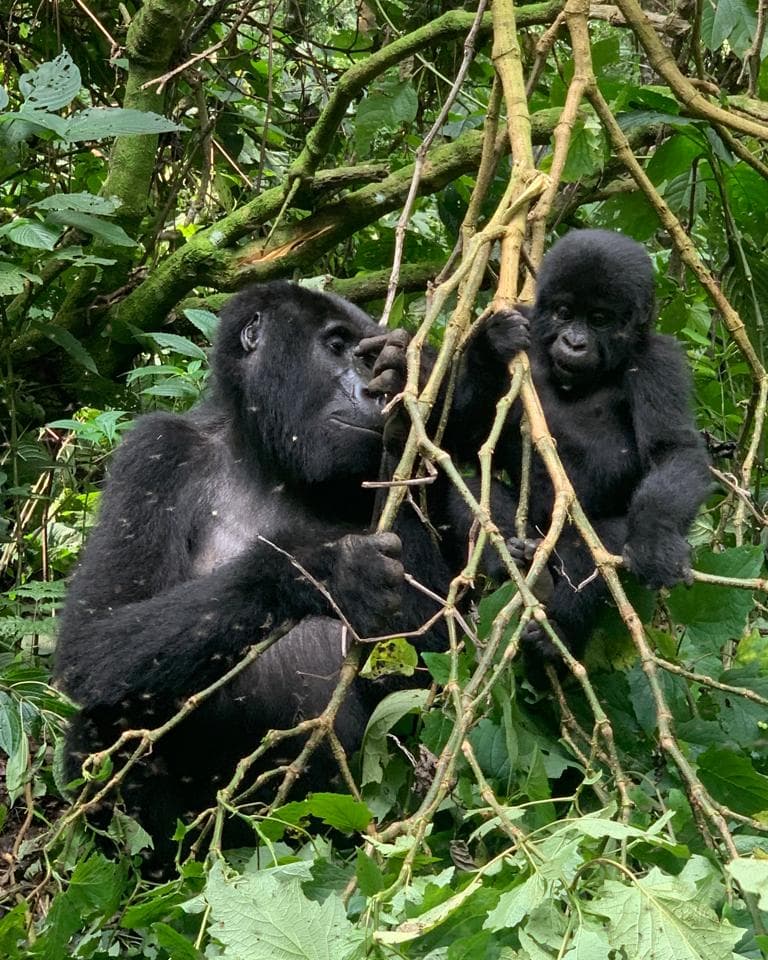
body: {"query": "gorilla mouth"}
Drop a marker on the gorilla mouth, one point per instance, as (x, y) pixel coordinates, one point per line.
(363, 428)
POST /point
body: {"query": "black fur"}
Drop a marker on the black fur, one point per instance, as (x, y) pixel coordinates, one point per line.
(175, 585)
(616, 396)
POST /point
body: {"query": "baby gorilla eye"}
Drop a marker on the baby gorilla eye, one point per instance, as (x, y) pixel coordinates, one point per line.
(599, 318)
(563, 312)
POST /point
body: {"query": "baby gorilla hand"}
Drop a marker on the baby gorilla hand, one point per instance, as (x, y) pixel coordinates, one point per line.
(390, 370)
(507, 333)
(389, 367)
(662, 560)
(366, 581)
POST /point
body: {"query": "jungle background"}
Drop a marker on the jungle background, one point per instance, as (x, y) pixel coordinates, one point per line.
(418, 158)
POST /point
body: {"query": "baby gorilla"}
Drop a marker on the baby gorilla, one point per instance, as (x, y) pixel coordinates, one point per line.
(616, 396)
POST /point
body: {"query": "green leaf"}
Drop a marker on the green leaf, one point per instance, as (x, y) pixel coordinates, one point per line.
(3, 98)
(258, 917)
(489, 742)
(13, 278)
(52, 85)
(337, 810)
(96, 123)
(752, 876)
(516, 904)
(28, 123)
(205, 321)
(733, 781)
(31, 233)
(394, 656)
(10, 724)
(81, 202)
(96, 885)
(370, 879)
(589, 943)
(68, 342)
(439, 665)
(585, 154)
(714, 614)
(735, 22)
(384, 717)
(173, 341)
(174, 389)
(661, 918)
(382, 110)
(13, 930)
(110, 232)
(177, 946)
(14, 742)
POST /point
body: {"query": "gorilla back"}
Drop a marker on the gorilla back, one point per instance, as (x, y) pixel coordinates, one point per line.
(181, 574)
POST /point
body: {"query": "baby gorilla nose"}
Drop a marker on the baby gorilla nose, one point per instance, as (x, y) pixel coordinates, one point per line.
(574, 340)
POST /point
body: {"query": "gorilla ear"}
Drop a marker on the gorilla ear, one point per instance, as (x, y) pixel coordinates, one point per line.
(249, 335)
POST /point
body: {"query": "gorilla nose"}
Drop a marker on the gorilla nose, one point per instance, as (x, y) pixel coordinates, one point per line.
(575, 341)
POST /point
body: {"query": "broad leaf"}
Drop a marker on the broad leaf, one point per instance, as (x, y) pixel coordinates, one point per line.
(98, 123)
(81, 202)
(259, 917)
(52, 85)
(103, 229)
(384, 717)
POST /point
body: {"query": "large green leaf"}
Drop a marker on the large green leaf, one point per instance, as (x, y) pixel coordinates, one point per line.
(13, 278)
(81, 202)
(97, 123)
(259, 917)
(52, 85)
(713, 614)
(30, 233)
(733, 781)
(103, 229)
(384, 717)
(661, 918)
(68, 342)
(172, 341)
(384, 109)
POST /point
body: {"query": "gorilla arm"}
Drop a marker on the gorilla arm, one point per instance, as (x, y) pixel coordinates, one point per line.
(675, 467)
(139, 626)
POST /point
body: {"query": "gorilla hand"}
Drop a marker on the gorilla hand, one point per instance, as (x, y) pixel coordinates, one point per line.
(388, 378)
(660, 559)
(389, 367)
(366, 580)
(507, 333)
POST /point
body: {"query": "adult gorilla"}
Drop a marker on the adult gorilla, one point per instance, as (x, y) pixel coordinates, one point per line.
(180, 576)
(616, 396)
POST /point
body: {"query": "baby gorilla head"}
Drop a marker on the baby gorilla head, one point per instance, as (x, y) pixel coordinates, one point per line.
(595, 305)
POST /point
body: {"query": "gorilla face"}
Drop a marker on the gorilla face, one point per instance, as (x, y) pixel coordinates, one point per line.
(594, 305)
(288, 356)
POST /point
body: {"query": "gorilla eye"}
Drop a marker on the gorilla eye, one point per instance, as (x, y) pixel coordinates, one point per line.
(599, 318)
(563, 313)
(249, 335)
(337, 341)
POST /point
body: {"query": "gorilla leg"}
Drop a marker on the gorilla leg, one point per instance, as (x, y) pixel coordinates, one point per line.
(579, 592)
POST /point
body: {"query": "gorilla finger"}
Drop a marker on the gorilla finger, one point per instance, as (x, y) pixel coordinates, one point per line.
(369, 345)
(687, 577)
(393, 573)
(387, 543)
(399, 338)
(387, 382)
(390, 357)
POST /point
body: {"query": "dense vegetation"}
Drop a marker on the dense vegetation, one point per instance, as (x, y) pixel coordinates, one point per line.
(154, 157)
